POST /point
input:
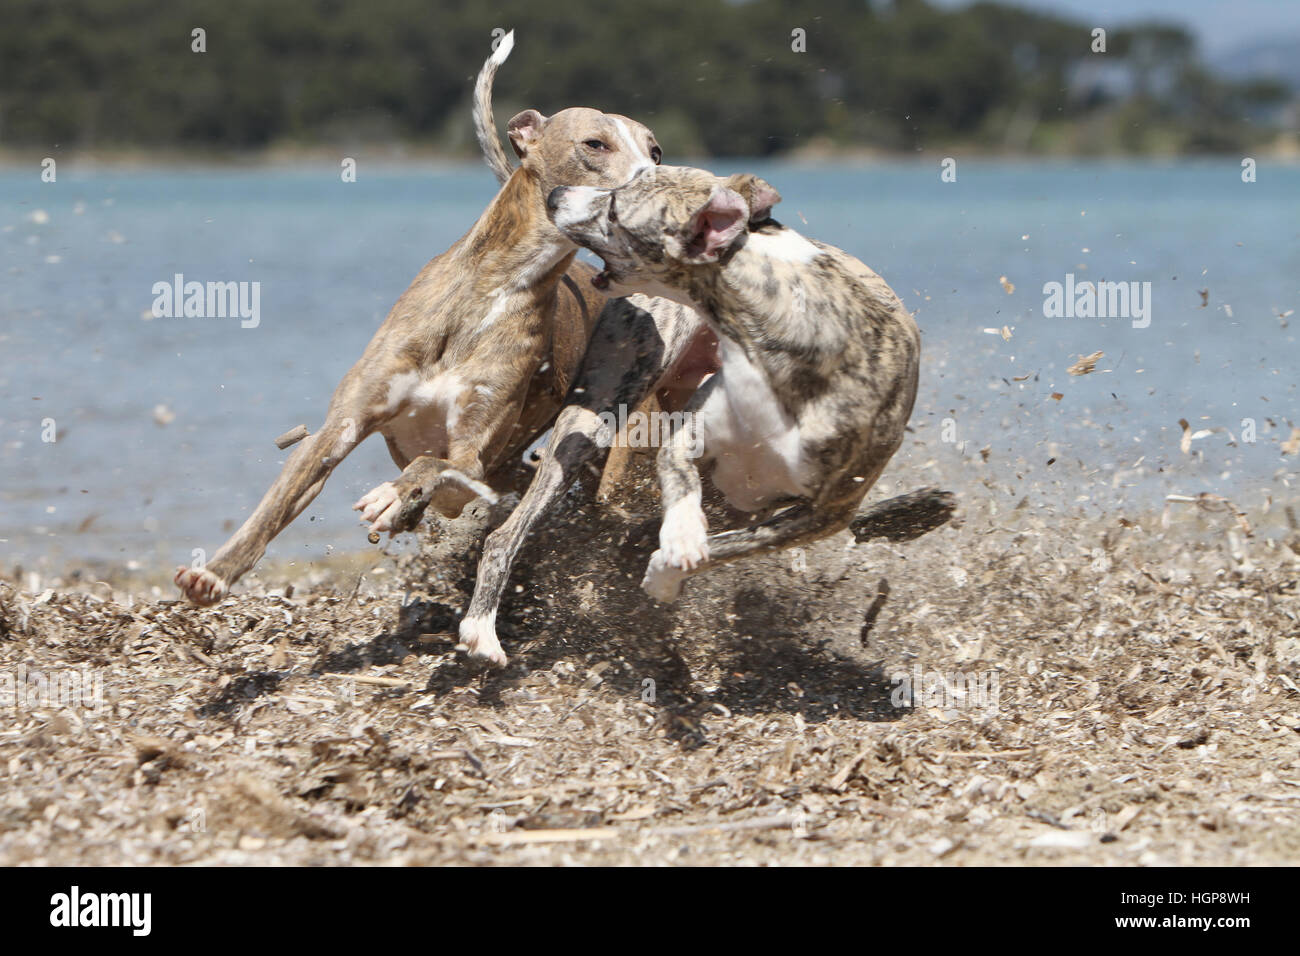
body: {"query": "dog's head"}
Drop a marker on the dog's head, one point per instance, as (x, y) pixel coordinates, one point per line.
(656, 230)
(582, 147)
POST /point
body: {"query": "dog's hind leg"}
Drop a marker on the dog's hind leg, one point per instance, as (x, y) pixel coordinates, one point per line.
(630, 352)
(905, 517)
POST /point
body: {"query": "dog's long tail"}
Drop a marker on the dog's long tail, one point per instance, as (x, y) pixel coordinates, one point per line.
(484, 124)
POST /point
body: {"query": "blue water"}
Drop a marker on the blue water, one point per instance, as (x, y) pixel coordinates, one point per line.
(79, 345)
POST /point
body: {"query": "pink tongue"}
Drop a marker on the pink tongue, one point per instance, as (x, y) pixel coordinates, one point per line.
(600, 280)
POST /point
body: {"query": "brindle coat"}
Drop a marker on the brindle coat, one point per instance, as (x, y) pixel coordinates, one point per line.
(819, 360)
(475, 357)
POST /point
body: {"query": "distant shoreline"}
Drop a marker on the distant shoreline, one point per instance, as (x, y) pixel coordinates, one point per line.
(1285, 150)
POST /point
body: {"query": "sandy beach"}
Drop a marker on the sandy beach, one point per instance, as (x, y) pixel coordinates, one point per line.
(1130, 697)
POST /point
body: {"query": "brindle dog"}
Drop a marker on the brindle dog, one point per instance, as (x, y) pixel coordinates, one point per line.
(818, 360)
(474, 359)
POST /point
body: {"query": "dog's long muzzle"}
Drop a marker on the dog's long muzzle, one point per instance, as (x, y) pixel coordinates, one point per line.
(556, 209)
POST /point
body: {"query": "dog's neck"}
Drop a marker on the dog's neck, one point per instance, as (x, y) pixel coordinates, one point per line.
(768, 307)
(514, 241)
(752, 300)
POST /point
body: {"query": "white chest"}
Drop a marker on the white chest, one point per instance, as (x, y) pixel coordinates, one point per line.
(755, 444)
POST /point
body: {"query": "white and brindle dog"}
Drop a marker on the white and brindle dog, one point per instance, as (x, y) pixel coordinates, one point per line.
(808, 364)
(818, 360)
(475, 358)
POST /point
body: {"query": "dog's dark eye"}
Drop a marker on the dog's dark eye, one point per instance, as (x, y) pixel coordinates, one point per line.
(656, 154)
(596, 144)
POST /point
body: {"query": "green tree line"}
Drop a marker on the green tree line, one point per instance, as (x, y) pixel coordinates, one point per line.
(711, 76)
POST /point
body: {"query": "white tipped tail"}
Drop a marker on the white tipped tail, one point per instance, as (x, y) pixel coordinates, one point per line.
(503, 48)
(484, 123)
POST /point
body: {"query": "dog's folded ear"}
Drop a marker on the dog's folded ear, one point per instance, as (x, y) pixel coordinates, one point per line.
(524, 128)
(758, 193)
(714, 226)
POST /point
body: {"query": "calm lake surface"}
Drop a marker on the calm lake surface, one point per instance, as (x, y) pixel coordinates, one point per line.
(80, 346)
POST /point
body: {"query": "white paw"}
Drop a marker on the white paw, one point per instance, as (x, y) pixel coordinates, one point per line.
(479, 637)
(663, 581)
(684, 535)
(379, 507)
(200, 585)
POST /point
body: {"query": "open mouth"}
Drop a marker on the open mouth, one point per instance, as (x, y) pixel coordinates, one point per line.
(602, 279)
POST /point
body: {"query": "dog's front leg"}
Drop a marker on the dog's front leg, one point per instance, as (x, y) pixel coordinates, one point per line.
(683, 535)
(397, 506)
(480, 427)
(349, 420)
(575, 440)
(630, 352)
(797, 525)
(685, 546)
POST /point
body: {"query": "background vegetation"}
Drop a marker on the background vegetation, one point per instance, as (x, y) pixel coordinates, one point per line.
(712, 77)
